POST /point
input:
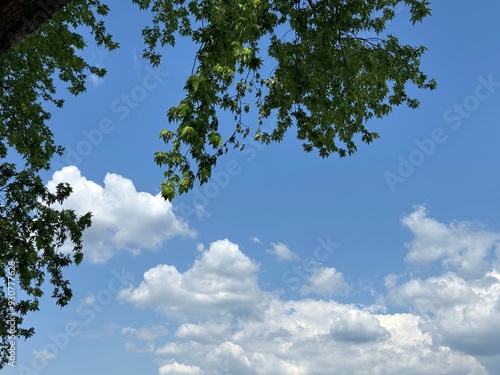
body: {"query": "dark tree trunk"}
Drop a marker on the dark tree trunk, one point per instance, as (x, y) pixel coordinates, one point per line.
(20, 18)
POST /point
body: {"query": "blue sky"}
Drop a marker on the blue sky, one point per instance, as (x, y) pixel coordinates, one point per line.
(387, 262)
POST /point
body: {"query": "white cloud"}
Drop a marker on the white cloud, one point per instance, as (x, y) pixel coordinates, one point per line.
(89, 299)
(256, 240)
(432, 294)
(133, 347)
(96, 80)
(208, 333)
(179, 369)
(459, 246)
(405, 329)
(230, 357)
(142, 340)
(282, 252)
(461, 314)
(460, 307)
(146, 333)
(222, 281)
(122, 218)
(324, 281)
(357, 326)
(228, 325)
(294, 337)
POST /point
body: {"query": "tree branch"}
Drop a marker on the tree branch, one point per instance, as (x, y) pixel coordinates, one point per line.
(20, 18)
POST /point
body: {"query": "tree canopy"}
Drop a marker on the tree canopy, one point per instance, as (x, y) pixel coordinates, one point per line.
(31, 231)
(327, 79)
(323, 68)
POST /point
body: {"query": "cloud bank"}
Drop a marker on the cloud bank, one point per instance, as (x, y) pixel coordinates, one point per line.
(227, 324)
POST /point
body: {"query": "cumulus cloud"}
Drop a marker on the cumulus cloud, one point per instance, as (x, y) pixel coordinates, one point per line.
(230, 356)
(282, 252)
(179, 369)
(459, 246)
(460, 307)
(296, 337)
(432, 294)
(208, 333)
(357, 326)
(228, 325)
(324, 281)
(122, 218)
(462, 314)
(223, 280)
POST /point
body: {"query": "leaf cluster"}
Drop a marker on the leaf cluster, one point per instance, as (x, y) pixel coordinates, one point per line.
(328, 81)
(32, 234)
(33, 229)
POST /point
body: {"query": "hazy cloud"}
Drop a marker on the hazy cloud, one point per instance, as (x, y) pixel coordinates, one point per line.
(256, 240)
(146, 333)
(282, 252)
(324, 281)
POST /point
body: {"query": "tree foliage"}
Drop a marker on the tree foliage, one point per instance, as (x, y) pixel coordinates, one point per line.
(328, 79)
(328, 67)
(32, 231)
(20, 18)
